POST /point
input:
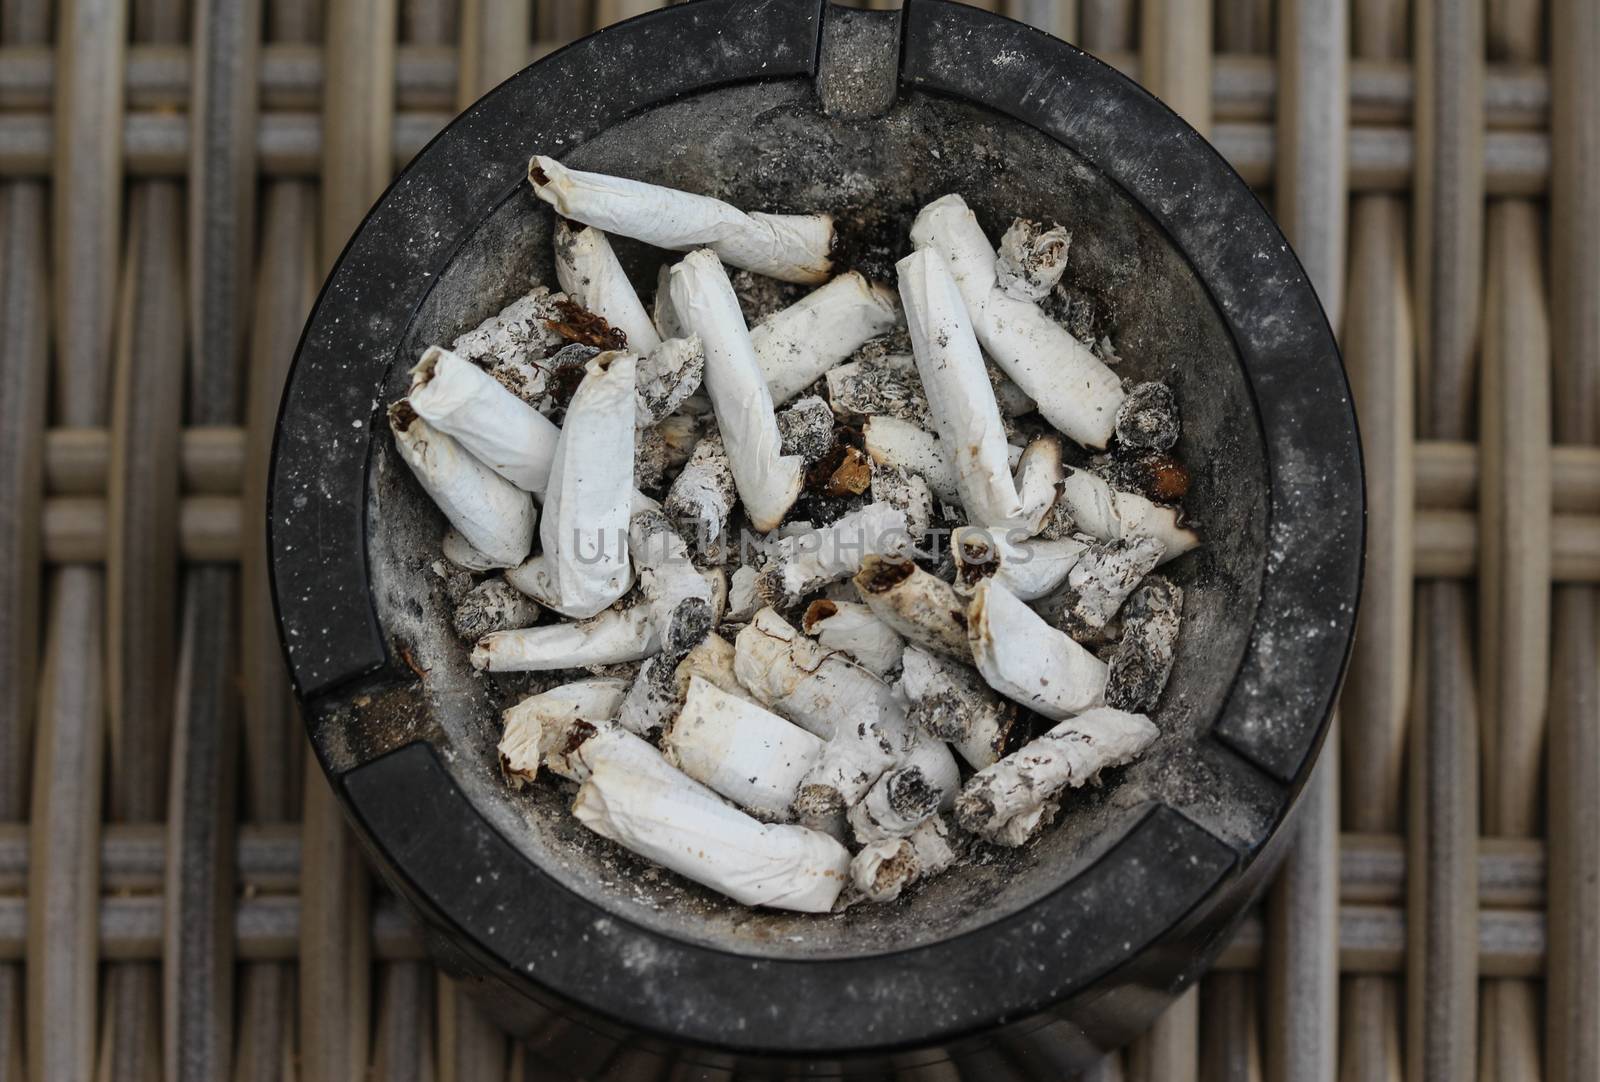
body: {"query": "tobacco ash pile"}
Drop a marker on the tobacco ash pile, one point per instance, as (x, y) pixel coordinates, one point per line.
(822, 601)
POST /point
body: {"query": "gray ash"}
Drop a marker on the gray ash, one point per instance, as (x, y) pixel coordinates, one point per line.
(493, 605)
(1148, 418)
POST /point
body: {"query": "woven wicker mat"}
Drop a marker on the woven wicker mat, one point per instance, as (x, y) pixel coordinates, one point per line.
(178, 894)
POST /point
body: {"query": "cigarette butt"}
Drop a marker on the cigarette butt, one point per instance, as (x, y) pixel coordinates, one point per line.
(923, 608)
(750, 756)
(585, 565)
(1031, 259)
(494, 516)
(492, 605)
(798, 344)
(907, 492)
(811, 559)
(1074, 390)
(459, 551)
(854, 628)
(702, 496)
(500, 430)
(768, 481)
(1027, 782)
(882, 870)
(898, 802)
(1039, 477)
(668, 376)
(1107, 514)
(590, 274)
(662, 683)
(893, 443)
(960, 398)
(1027, 660)
(614, 636)
(1148, 419)
(635, 798)
(950, 702)
(508, 343)
(791, 247)
(1099, 582)
(666, 577)
(805, 429)
(1142, 661)
(540, 726)
(888, 386)
(1030, 568)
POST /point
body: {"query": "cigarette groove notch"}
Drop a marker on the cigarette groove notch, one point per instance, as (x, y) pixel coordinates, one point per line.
(790, 247)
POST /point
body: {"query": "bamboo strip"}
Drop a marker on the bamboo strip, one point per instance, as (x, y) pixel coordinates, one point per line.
(1309, 189)
(1381, 158)
(197, 995)
(494, 46)
(1106, 26)
(1175, 51)
(86, 198)
(428, 77)
(1444, 955)
(1058, 17)
(1244, 26)
(63, 888)
(142, 504)
(1302, 976)
(404, 1046)
(1572, 985)
(1169, 1052)
(1230, 1037)
(470, 1046)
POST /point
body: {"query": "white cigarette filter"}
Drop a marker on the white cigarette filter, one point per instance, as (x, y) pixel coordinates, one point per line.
(798, 344)
(634, 797)
(494, 516)
(854, 628)
(882, 870)
(1068, 756)
(957, 385)
(702, 496)
(1029, 567)
(502, 431)
(809, 560)
(668, 376)
(950, 702)
(1031, 259)
(540, 726)
(459, 551)
(790, 247)
(1027, 660)
(1098, 584)
(492, 605)
(898, 802)
(584, 565)
(1073, 388)
(768, 481)
(1039, 477)
(1143, 658)
(749, 755)
(614, 636)
(922, 607)
(590, 274)
(1106, 513)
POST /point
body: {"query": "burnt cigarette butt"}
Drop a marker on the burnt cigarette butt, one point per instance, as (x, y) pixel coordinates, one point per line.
(1027, 660)
(923, 608)
(1142, 661)
(951, 702)
(493, 605)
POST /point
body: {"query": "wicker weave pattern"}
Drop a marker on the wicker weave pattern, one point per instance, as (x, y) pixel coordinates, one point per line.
(176, 898)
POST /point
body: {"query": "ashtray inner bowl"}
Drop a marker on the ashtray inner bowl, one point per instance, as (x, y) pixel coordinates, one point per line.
(768, 146)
